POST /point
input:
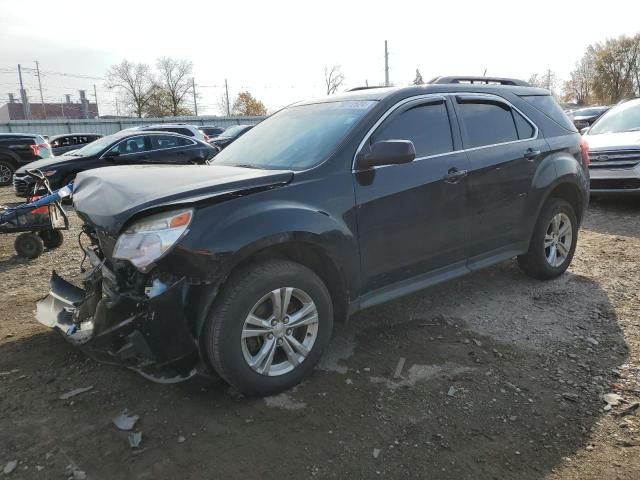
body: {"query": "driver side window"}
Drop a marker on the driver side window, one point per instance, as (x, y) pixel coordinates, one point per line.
(426, 125)
(129, 146)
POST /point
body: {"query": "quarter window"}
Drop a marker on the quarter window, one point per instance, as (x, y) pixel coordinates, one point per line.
(525, 129)
(426, 125)
(486, 122)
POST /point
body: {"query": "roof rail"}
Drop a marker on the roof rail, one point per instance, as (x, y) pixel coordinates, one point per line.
(480, 80)
(355, 89)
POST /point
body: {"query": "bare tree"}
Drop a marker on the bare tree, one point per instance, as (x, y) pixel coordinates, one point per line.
(135, 83)
(224, 105)
(333, 78)
(175, 79)
(548, 80)
(579, 87)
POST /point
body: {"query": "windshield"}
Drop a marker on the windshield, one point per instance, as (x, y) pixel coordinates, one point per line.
(623, 118)
(93, 148)
(233, 131)
(295, 138)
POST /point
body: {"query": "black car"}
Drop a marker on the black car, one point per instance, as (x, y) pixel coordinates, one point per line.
(229, 136)
(585, 117)
(211, 131)
(18, 149)
(71, 141)
(325, 208)
(123, 148)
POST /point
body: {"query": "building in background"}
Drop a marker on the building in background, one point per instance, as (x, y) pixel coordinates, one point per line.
(14, 110)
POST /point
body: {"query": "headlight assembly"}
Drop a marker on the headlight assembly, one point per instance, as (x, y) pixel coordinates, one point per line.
(148, 239)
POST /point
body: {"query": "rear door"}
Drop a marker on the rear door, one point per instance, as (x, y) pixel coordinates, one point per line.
(503, 149)
(171, 149)
(413, 219)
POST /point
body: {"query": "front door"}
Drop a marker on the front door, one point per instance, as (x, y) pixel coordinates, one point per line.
(413, 218)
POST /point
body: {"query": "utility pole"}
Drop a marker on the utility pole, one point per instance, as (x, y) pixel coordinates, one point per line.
(23, 95)
(62, 107)
(549, 79)
(195, 101)
(226, 88)
(95, 94)
(386, 65)
(44, 108)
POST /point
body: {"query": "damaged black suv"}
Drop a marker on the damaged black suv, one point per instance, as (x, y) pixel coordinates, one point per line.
(327, 207)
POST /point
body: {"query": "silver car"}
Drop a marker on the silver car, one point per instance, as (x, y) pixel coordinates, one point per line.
(614, 149)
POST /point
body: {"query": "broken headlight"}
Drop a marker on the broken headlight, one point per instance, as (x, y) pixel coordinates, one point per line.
(148, 239)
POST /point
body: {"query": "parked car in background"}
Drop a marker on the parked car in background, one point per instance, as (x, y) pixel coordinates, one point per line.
(123, 148)
(229, 136)
(17, 149)
(71, 141)
(585, 117)
(181, 128)
(323, 209)
(211, 131)
(614, 149)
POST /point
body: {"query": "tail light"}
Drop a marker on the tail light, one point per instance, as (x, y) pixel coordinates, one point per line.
(584, 150)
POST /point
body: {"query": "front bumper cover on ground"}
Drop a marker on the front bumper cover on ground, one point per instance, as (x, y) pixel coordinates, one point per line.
(150, 336)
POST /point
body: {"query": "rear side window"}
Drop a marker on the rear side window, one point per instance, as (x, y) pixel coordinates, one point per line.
(181, 131)
(159, 142)
(426, 125)
(486, 123)
(525, 129)
(548, 105)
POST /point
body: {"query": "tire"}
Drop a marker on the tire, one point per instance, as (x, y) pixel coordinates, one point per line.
(51, 238)
(29, 245)
(253, 289)
(538, 261)
(7, 169)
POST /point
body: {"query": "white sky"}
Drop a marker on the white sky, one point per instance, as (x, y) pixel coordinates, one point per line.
(278, 49)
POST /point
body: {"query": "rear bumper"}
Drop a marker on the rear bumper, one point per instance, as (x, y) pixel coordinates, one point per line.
(150, 336)
(615, 181)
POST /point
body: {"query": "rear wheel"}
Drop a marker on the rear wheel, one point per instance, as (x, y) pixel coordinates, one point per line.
(269, 328)
(553, 242)
(29, 245)
(7, 170)
(52, 238)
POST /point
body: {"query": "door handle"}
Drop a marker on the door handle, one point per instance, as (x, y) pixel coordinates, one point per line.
(455, 174)
(531, 154)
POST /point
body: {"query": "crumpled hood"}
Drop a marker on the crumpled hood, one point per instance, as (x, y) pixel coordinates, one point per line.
(108, 197)
(614, 141)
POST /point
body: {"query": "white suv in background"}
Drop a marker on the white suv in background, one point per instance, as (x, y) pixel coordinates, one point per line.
(181, 128)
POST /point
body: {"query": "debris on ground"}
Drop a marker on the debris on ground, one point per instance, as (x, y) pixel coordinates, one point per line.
(376, 452)
(135, 438)
(73, 393)
(181, 439)
(399, 367)
(10, 467)
(452, 391)
(631, 409)
(612, 400)
(124, 421)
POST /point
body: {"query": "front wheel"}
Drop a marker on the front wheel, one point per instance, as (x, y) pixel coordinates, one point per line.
(52, 238)
(6, 172)
(553, 242)
(269, 327)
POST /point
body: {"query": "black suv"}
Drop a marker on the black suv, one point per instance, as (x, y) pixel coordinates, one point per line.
(18, 149)
(325, 208)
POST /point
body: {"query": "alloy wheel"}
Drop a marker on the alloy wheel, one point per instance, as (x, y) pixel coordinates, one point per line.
(558, 239)
(5, 175)
(280, 331)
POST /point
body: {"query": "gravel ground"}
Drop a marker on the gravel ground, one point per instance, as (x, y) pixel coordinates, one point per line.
(491, 376)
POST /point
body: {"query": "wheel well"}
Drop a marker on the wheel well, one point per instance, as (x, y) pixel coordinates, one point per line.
(571, 194)
(316, 260)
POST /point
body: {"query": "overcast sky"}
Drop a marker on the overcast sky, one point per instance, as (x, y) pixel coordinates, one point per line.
(278, 49)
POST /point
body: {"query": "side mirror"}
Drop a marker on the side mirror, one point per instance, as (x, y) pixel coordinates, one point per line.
(111, 154)
(387, 152)
(584, 130)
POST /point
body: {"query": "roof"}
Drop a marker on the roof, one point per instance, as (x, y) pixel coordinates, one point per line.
(378, 94)
(25, 135)
(51, 137)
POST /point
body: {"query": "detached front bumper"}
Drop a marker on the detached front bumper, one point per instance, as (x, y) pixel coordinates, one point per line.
(149, 335)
